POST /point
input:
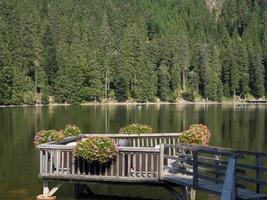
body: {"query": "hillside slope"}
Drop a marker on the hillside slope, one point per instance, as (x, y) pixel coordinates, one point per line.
(80, 51)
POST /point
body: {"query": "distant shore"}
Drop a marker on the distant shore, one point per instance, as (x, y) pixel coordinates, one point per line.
(140, 104)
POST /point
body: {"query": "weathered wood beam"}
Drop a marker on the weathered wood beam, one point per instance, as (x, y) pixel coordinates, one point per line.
(229, 186)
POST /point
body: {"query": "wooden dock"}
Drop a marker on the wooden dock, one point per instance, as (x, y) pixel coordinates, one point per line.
(161, 159)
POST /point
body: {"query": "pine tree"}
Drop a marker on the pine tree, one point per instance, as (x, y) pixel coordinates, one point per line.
(242, 15)
(234, 69)
(68, 85)
(216, 70)
(182, 59)
(121, 78)
(93, 50)
(229, 15)
(69, 78)
(225, 72)
(106, 50)
(50, 56)
(264, 46)
(93, 89)
(133, 60)
(16, 88)
(164, 82)
(241, 56)
(257, 75)
(31, 48)
(256, 63)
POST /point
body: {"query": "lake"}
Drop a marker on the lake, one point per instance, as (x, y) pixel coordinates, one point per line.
(231, 126)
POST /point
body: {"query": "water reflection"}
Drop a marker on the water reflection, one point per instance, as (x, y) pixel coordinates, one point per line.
(231, 126)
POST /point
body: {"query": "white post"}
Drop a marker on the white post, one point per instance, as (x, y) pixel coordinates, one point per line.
(161, 161)
(45, 188)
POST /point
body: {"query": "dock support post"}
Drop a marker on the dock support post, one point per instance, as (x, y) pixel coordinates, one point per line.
(191, 193)
(45, 188)
(48, 194)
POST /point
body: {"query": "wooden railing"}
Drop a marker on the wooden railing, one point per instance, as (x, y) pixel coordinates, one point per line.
(155, 157)
(211, 164)
(138, 161)
(131, 164)
(138, 140)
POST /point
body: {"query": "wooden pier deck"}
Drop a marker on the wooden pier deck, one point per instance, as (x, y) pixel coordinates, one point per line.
(161, 159)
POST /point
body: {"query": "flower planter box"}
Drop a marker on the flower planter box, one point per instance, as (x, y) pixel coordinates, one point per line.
(124, 143)
(86, 167)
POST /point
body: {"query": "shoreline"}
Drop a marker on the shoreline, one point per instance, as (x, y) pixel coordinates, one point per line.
(138, 104)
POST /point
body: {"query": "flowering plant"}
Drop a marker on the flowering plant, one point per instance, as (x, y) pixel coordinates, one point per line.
(44, 136)
(136, 129)
(71, 130)
(196, 134)
(100, 149)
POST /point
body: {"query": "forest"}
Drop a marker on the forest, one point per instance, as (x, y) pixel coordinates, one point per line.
(74, 51)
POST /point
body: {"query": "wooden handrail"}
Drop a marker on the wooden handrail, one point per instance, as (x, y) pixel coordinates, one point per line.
(211, 164)
(118, 136)
(133, 135)
(71, 148)
(217, 149)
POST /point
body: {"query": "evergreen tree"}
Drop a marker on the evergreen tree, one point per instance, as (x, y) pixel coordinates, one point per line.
(94, 50)
(93, 89)
(257, 75)
(68, 85)
(50, 56)
(106, 50)
(164, 82)
(16, 88)
(264, 46)
(234, 70)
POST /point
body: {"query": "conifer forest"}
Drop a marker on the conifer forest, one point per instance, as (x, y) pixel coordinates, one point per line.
(143, 50)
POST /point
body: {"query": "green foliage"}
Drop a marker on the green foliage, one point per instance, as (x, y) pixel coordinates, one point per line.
(150, 49)
(100, 149)
(136, 129)
(29, 97)
(188, 96)
(196, 134)
(16, 88)
(68, 85)
(71, 130)
(45, 98)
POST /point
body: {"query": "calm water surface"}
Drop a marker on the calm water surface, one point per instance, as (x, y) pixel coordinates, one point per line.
(231, 126)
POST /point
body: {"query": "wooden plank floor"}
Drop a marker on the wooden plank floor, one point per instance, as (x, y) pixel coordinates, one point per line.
(211, 187)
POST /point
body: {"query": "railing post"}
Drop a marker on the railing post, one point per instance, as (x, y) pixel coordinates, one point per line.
(161, 161)
(259, 163)
(229, 186)
(41, 161)
(217, 162)
(195, 169)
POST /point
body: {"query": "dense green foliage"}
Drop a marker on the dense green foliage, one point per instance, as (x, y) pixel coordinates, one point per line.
(136, 129)
(142, 49)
